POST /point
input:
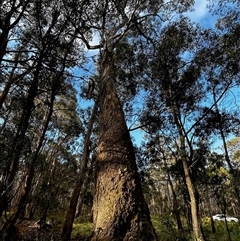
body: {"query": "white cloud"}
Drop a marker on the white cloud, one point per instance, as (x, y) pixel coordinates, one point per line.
(200, 10)
(95, 39)
(201, 14)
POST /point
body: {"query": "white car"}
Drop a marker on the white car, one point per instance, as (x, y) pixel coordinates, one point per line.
(221, 217)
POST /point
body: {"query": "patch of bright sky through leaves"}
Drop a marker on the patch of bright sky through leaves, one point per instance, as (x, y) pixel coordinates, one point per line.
(200, 15)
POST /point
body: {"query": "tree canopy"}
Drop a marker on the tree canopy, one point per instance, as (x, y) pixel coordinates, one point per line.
(79, 79)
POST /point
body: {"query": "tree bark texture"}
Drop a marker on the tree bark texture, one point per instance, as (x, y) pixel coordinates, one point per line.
(119, 210)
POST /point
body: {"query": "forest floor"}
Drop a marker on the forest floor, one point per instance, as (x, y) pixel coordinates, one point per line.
(29, 230)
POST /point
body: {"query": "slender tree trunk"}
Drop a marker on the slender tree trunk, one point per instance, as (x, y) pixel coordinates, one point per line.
(6, 89)
(176, 209)
(4, 39)
(222, 134)
(67, 226)
(210, 212)
(227, 158)
(9, 225)
(11, 79)
(30, 207)
(81, 196)
(119, 210)
(194, 209)
(84, 189)
(196, 224)
(18, 144)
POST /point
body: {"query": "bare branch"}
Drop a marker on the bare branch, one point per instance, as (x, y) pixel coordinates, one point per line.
(138, 127)
(98, 46)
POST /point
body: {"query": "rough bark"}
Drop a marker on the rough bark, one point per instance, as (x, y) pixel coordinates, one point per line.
(119, 211)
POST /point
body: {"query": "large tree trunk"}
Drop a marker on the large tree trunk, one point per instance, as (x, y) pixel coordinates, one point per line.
(119, 211)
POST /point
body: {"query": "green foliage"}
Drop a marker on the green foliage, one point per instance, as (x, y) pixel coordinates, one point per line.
(234, 149)
(172, 70)
(82, 229)
(221, 230)
(166, 228)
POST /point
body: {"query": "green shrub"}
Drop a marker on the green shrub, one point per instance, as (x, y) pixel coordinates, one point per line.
(83, 229)
(166, 229)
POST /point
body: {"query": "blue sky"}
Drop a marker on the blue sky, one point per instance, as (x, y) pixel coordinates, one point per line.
(200, 15)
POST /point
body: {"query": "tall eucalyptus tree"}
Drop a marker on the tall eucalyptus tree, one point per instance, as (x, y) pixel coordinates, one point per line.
(119, 210)
(175, 95)
(119, 206)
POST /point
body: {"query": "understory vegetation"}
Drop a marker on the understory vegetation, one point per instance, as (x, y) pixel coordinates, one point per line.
(165, 226)
(119, 120)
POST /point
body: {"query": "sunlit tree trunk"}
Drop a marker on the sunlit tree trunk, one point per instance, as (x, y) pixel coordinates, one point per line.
(119, 210)
(196, 223)
(225, 148)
